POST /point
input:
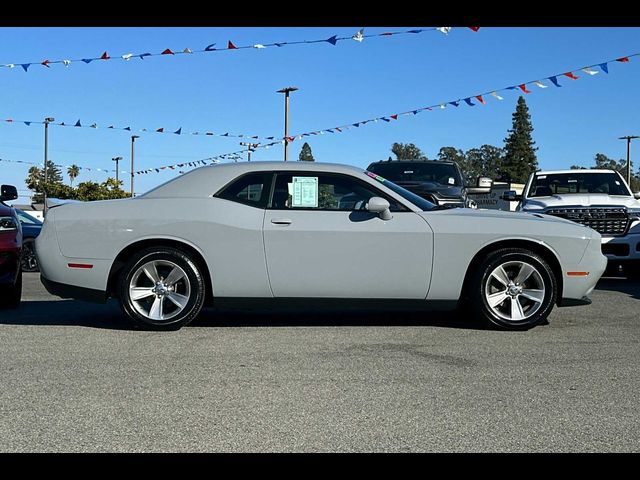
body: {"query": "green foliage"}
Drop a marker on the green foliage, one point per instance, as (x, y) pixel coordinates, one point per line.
(603, 162)
(35, 177)
(305, 154)
(520, 153)
(486, 161)
(407, 151)
(73, 171)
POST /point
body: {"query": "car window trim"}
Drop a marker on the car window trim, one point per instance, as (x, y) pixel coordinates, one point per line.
(379, 192)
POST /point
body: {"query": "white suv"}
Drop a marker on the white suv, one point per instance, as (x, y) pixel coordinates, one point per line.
(600, 199)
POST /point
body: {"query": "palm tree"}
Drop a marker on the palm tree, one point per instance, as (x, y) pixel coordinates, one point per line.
(73, 171)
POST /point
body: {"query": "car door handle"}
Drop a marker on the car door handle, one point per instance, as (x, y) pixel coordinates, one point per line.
(281, 221)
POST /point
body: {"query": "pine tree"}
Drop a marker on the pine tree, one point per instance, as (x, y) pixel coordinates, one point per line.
(520, 153)
(305, 154)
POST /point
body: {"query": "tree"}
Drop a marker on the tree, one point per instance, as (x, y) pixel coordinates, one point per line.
(305, 154)
(486, 161)
(520, 154)
(73, 171)
(407, 151)
(35, 180)
(603, 162)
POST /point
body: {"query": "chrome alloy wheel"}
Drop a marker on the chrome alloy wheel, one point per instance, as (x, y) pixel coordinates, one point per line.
(514, 291)
(159, 290)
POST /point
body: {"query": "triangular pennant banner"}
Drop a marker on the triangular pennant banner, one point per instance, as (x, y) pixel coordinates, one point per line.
(88, 60)
(469, 102)
(590, 71)
(480, 99)
(622, 59)
(78, 124)
(495, 94)
(475, 29)
(160, 130)
(333, 40)
(395, 117)
(554, 80)
(540, 84)
(604, 67)
(167, 51)
(179, 131)
(105, 56)
(570, 75)
(523, 87)
(231, 46)
(46, 63)
(359, 36)
(25, 66)
(209, 48)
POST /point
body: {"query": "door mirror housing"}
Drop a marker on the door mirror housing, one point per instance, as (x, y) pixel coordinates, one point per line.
(636, 195)
(483, 185)
(511, 196)
(8, 192)
(380, 206)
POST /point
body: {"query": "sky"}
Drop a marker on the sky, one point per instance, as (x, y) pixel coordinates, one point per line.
(235, 91)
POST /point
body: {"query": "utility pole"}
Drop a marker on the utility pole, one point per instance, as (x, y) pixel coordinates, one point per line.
(628, 138)
(286, 92)
(117, 160)
(47, 120)
(133, 140)
(250, 148)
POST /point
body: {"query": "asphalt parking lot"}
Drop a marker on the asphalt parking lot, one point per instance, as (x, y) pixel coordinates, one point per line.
(76, 378)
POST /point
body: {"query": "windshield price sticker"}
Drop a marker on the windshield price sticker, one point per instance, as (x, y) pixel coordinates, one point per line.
(305, 192)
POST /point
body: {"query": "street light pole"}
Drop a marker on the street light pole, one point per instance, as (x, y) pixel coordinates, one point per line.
(628, 138)
(117, 160)
(47, 120)
(286, 92)
(133, 140)
(250, 147)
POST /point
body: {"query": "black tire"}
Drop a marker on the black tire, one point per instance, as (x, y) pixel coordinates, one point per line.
(12, 294)
(29, 260)
(501, 315)
(190, 288)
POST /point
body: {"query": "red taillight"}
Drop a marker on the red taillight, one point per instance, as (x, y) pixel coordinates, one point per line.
(79, 265)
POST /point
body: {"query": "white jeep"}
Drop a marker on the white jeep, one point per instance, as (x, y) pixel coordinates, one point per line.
(600, 199)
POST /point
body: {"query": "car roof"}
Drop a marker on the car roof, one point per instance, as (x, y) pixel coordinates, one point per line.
(448, 162)
(575, 170)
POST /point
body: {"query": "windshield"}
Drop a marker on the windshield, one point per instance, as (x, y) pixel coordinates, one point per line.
(424, 205)
(443, 173)
(26, 218)
(577, 183)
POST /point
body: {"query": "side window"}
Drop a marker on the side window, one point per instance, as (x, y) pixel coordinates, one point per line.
(252, 189)
(324, 192)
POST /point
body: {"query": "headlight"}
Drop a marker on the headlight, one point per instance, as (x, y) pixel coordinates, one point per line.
(8, 224)
(634, 214)
(532, 208)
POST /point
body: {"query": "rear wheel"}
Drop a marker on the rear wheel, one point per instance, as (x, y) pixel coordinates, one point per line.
(514, 288)
(161, 289)
(29, 260)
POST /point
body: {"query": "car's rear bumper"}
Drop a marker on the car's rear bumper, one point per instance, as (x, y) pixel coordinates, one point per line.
(9, 266)
(71, 291)
(573, 302)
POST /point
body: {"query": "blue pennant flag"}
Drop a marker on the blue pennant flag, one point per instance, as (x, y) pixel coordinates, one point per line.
(210, 48)
(554, 80)
(179, 131)
(27, 123)
(270, 138)
(25, 66)
(127, 128)
(604, 67)
(77, 124)
(455, 104)
(415, 31)
(469, 102)
(385, 119)
(280, 44)
(333, 40)
(144, 55)
(88, 60)
(356, 125)
(415, 112)
(225, 134)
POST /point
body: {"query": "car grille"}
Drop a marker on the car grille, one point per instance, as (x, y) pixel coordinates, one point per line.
(606, 221)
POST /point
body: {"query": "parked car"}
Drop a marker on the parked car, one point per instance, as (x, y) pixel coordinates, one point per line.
(600, 199)
(10, 250)
(439, 182)
(201, 238)
(31, 227)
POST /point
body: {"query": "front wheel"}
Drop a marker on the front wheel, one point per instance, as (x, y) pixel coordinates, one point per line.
(161, 289)
(29, 260)
(514, 288)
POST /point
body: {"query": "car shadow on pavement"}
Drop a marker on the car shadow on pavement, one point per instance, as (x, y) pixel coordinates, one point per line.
(620, 284)
(66, 313)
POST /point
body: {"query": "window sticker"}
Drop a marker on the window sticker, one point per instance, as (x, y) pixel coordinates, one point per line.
(408, 171)
(376, 177)
(572, 181)
(542, 177)
(617, 182)
(452, 180)
(305, 192)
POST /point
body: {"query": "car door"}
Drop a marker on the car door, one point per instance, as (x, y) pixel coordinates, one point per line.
(321, 242)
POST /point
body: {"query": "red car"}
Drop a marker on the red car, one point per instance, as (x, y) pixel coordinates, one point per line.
(10, 250)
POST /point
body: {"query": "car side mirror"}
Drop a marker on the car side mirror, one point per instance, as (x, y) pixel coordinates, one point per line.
(511, 196)
(8, 192)
(636, 195)
(483, 185)
(380, 206)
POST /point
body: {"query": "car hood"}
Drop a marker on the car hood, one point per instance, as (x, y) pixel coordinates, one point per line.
(449, 191)
(582, 200)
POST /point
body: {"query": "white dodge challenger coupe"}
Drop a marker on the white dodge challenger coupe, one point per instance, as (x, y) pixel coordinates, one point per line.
(283, 232)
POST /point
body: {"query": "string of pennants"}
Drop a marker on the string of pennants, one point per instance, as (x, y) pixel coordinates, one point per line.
(359, 36)
(481, 98)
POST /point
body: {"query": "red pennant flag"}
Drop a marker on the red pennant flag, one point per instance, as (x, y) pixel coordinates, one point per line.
(481, 100)
(167, 52)
(105, 56)
(395, 117)
(622, 59)
(231, 46)
(160, 130)
(570, 75)
(475, 29)
(46, 63)
(290, 139)
(386, 34)
(9, 120)
(523, 87)
(338, 129)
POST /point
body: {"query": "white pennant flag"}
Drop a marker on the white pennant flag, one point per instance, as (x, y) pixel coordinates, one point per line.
(442, 105)
(359, 37)
(259, 45)
(444, 30)
(540, 84)
(495, 94)
(187, 50)
(66, 63)
(10, 65)
(589, 71)
(127, 56)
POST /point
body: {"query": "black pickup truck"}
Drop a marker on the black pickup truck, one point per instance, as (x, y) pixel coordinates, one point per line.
(439, 182)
